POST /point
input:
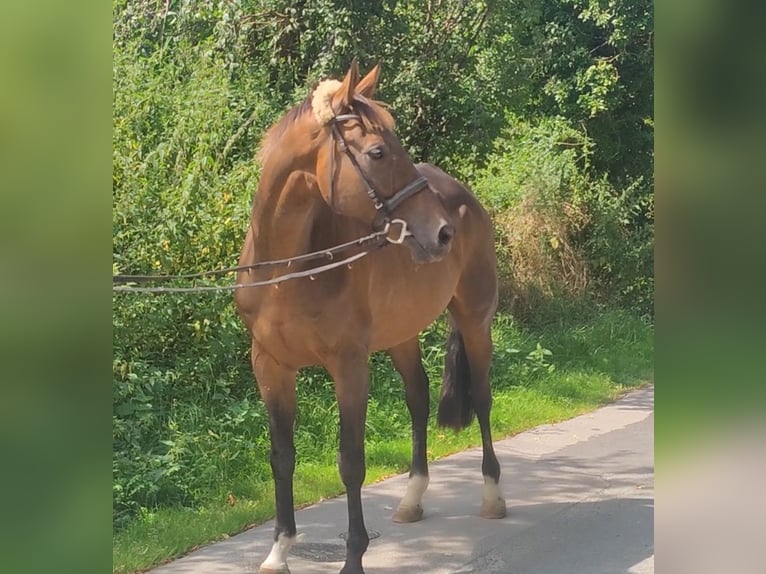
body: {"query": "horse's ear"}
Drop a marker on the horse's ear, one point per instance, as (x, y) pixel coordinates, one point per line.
(344, 97)
(366, 87)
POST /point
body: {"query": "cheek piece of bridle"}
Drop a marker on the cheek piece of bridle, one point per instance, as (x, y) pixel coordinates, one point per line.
(383, 206)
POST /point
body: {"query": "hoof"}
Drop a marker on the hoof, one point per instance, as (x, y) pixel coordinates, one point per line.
(263, 570)
(407, 514)
(494, 508)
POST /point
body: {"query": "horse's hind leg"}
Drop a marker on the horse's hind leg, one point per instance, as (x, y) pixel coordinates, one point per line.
(277, 386)
(408, 362)
(473, 339)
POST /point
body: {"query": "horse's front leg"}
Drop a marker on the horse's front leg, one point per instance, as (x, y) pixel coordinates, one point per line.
(351, 378)
(277, 386)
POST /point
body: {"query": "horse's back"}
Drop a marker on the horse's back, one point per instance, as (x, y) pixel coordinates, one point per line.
(463, 205)
(475, 240)
(453, 192)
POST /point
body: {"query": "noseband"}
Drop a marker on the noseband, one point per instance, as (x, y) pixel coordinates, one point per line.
(383, 206)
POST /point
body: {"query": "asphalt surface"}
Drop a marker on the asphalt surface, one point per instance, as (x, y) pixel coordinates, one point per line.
(580, 496)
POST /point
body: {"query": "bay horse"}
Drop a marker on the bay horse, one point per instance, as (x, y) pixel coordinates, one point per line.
(332, 170)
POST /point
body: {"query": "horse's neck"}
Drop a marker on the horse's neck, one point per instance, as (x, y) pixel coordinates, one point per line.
(285, 211)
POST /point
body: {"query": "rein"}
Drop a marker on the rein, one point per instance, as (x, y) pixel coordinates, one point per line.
(377, 239)
(307, 273)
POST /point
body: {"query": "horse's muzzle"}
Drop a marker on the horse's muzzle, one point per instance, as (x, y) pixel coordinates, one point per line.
(431, 251)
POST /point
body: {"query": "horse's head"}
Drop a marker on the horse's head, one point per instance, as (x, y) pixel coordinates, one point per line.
(364, 172)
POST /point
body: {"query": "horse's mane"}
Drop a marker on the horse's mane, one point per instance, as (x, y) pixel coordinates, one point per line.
(374, 115)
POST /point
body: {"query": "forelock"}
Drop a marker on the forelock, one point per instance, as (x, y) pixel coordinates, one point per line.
(321, 101)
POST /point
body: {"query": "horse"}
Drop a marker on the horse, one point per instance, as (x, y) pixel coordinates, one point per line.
(332, 170)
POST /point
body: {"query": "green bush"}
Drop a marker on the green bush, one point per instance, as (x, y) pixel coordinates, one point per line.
(562, 230)
(186, 413)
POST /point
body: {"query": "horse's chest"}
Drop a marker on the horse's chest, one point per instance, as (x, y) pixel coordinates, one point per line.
(300, 323)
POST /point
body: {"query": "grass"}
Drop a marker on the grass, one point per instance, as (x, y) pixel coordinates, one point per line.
(541, 374)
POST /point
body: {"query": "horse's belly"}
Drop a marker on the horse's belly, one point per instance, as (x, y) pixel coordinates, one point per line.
(402, 310)
(300, 324)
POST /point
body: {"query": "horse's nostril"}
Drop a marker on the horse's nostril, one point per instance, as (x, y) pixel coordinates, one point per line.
(446, 233)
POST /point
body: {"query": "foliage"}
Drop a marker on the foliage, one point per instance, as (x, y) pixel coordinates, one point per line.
(184, 133)
(543, 106)
(562, 229)
(591, 62)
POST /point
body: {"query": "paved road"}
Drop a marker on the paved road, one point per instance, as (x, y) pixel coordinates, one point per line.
(580, 496)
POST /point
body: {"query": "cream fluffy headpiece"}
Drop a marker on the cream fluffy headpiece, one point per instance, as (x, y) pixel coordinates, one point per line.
(321, 101)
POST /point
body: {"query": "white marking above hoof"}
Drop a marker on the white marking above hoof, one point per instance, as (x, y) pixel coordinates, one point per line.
(416, 487)
(276, 562)
(410, 508)
(493, 503)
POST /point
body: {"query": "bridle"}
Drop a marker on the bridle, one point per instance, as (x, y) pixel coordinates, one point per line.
(383, 206)
(381, 236)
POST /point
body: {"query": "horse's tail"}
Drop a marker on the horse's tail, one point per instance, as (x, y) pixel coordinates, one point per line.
(455, 405)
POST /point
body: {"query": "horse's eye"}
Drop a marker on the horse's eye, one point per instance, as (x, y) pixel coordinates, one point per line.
(375, 153)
